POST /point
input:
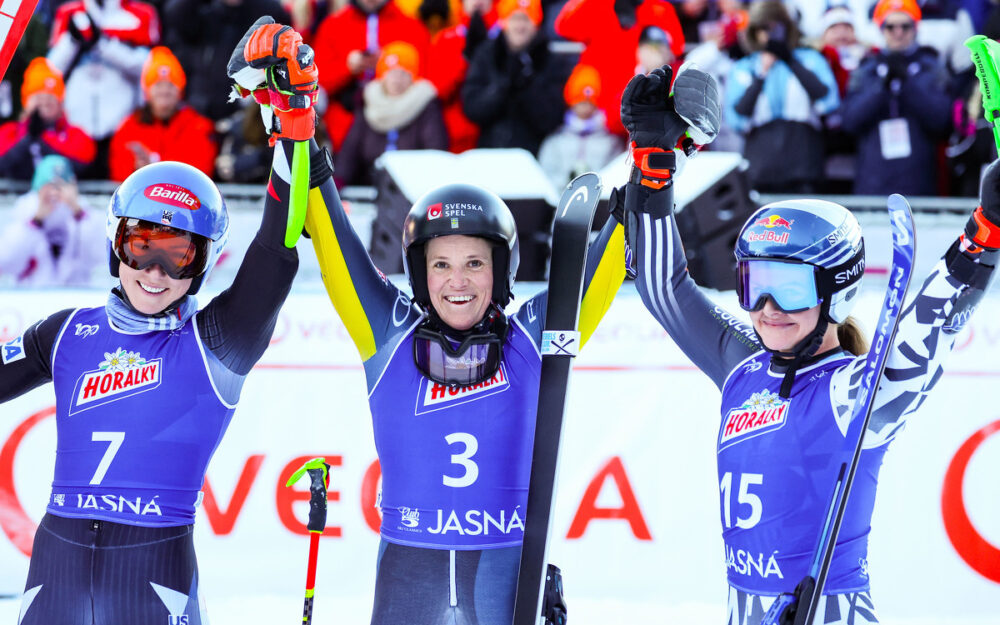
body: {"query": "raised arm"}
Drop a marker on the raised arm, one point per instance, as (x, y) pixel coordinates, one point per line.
(930, 323)
(714, 340)
(26, 362)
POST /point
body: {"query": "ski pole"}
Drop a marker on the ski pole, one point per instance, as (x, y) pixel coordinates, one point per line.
(319, 474)
(14, 19)
(985, 52)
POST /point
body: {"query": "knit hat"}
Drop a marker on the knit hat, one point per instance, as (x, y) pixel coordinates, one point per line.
(837, 15)
(52, 168)
(583, 84)
(161, 64)
(531, 8)
(41, 77)
(654, 36)
(885, 7)
(398, 55)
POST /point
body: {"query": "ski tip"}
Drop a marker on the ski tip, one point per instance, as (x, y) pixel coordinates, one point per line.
(897, 202)
(589, 179)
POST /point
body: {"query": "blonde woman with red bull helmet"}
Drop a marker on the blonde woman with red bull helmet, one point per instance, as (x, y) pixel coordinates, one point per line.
(789, 380)
(146, 385)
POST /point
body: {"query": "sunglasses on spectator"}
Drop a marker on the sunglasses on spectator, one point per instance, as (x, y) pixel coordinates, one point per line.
(902, 26)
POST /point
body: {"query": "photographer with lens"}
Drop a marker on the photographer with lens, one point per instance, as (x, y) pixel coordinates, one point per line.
(777, 97)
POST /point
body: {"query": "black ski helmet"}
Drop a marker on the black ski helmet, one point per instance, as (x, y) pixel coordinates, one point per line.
(467, 210)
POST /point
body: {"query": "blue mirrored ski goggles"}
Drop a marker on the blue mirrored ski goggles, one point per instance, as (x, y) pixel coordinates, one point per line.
(791, 286)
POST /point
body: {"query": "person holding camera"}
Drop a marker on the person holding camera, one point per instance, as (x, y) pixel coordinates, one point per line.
(777, 97)
(898, 107)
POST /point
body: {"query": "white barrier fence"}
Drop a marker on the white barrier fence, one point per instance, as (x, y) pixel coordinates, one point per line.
(637, 517)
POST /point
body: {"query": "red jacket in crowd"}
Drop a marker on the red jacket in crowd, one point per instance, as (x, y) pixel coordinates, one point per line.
(62, 138)
(347, 30)
(610, 48)
(185, 137)
(446, 68)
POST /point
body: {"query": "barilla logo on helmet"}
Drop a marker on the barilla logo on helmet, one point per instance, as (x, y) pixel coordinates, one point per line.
(173, 194)
(121, 374)
(774, 221)
(434, 211)
(763, 412)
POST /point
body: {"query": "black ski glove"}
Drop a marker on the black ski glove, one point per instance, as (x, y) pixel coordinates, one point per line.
(897, 66)
(779, 49)
(36, 125)
(983, 228)
(475, 34)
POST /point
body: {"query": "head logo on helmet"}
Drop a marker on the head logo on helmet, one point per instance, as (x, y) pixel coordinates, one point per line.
(174, 195)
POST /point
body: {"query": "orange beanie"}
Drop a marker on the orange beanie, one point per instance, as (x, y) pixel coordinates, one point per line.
(161, 64)
(885, 7)
(532, 8)
(398, 55)
(41, 77)
(583, 84)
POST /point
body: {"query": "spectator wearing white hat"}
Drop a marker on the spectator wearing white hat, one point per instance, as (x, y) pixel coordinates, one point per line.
(53, 240)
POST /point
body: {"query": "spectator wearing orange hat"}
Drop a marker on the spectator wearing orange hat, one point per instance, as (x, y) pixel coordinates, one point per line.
(513, 89)
(898, 108)
(347, 46)
(43, 128)
(164, 128)
(583, 142)
(400, 112)
(610, 30)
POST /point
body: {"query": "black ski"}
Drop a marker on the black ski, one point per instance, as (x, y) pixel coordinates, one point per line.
(799, 608)
(560, 343)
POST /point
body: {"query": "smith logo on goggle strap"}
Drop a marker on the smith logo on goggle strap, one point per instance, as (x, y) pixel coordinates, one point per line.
(436, 396)
(121, 374)
(174, 195)
(763, 412)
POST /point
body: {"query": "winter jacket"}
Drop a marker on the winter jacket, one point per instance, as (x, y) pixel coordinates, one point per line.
(61, 251)
(346, 30)
(102, 82)
(577, 147)
(919, 99)
(202, 34)
(185, 137)
(446, 68)
(516, 99)
(780, 116)
(19, 152)
(410, 121)
(611, 48)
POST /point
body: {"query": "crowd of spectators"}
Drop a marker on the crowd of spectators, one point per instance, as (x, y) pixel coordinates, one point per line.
(820, 96)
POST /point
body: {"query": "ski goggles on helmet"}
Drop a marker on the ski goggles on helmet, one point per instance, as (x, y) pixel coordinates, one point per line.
(469, 359)
(791, 286)
(141, 244)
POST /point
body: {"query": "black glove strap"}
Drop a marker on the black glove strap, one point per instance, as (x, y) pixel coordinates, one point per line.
(965, 269)
(320, 167)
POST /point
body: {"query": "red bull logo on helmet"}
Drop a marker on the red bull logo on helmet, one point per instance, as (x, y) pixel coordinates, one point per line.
(174, 195)
(121, 374)
(763, 412)
(774, 221)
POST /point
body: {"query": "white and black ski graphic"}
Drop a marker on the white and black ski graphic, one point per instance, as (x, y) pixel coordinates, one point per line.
(560, 343)
(799, 608)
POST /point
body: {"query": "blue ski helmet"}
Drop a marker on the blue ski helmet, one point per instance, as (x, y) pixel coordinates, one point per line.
(176, 195)
(820, 234)
(461, 209)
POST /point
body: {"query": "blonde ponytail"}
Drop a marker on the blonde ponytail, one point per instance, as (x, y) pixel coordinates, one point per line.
(852, 338)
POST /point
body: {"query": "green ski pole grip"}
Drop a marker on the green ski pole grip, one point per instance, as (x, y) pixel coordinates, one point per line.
(985, 53)
(299, 191)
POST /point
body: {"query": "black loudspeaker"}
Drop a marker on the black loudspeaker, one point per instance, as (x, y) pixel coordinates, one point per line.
(394, 197)
(709, 215)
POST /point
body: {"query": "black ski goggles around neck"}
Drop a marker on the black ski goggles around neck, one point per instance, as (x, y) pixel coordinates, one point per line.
(460, 358)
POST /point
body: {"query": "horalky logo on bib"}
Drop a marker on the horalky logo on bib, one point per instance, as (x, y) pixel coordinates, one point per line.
(763, 412)
(121, 374)
(433, 395)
